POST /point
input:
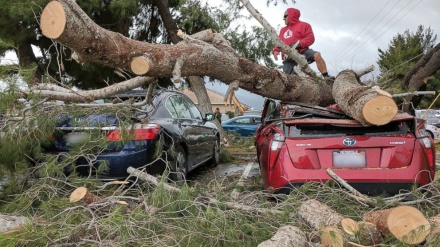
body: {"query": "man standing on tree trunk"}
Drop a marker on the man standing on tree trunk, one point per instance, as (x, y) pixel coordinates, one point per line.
(299, 35)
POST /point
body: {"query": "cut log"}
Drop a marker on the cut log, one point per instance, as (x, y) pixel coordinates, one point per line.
(140, 65)
(286, 236)
(366, 105)
(83, 194)
(10, 223)
(405, 223)
(331, 236)
(53, 20)
(318, 215)
(368, 234)
(350, 226)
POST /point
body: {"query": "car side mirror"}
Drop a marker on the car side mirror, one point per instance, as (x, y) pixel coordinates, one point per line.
(209, 116)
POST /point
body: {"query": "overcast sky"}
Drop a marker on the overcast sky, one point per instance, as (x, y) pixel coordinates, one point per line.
(348, 33)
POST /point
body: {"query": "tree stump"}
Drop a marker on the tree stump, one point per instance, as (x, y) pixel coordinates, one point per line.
(286, 236)
(83, 194)
(405, 223)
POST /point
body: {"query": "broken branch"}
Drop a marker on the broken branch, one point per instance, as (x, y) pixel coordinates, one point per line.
(151, 179)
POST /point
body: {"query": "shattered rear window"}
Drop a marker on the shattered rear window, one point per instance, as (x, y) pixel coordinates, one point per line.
(326, 129)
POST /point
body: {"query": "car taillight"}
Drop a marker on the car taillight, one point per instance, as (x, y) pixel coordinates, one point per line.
(427, 143)
(138, 133)
(275, 148)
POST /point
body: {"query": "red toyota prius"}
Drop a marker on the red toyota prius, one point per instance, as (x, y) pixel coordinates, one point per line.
(297, 143)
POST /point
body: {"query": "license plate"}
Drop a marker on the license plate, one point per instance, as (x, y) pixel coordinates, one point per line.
(77, 138)
(349, 159)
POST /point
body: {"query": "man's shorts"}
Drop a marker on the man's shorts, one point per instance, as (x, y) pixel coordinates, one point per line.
(288, 64)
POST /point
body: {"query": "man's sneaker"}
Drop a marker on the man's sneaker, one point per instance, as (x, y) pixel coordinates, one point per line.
(329, 78)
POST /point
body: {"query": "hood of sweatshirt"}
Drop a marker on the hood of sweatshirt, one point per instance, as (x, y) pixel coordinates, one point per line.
(293, 15)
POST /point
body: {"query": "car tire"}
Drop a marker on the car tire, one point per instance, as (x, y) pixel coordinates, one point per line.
(179, 165)
(215, 160)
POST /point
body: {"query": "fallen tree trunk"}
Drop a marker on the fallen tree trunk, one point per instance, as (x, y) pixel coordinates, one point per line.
(65, 22)
(405, 223)
(202, 54)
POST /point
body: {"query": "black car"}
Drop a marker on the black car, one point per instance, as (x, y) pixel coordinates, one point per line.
(168, 133)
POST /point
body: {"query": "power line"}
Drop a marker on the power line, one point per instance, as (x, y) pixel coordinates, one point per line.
(349, 53)
(362, 47)
(347, 46)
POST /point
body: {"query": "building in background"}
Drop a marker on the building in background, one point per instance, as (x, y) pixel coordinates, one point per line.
(217, 100)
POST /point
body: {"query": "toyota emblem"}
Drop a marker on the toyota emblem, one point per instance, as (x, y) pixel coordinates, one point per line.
(349, 142)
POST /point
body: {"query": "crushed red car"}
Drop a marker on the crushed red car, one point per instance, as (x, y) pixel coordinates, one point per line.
(296, 143)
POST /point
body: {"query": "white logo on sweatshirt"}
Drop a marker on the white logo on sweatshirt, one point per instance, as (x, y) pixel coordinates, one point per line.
(288, 34)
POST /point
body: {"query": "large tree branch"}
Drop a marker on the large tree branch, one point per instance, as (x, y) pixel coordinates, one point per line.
(205, 54)
(65, 22)
(425, 67)
(59, 93)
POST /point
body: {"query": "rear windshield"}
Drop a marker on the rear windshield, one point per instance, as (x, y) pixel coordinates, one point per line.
(324, 129)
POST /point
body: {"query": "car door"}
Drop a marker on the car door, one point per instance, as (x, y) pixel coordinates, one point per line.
(244, 126)
(205, 138)
(186, 124)
(264, 135)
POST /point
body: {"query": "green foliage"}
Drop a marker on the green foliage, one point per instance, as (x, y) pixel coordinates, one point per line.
(230, 114)
(255, 45)
(402, 54)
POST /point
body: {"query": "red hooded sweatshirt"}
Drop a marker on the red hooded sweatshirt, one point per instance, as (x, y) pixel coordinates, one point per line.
(296, 30)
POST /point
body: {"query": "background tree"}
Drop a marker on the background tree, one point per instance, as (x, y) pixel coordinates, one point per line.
(402, 54)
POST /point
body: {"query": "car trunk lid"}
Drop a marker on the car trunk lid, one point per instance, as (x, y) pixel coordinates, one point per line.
(345, 144)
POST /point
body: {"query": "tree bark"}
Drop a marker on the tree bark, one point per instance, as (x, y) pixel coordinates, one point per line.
(65, 22)
(418, 75)
(405, 223)
(151, 179)
(9, 222)
(318, 215)
(27, 60)
(196, 82)
(425, 67)
(286, 236)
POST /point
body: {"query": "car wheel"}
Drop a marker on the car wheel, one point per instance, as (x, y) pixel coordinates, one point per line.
(215, 160)
(179, 168)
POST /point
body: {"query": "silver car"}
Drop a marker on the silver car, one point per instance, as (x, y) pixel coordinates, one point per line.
(429, 115)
